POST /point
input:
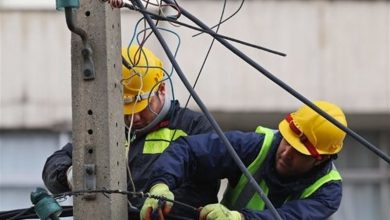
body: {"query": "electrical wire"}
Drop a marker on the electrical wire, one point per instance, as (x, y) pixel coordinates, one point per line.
(161, 7)
(209, 116)
(290, 90)
(129, 137)
(135, 36)
(207, 54)
(269, 75)
(29, 213)
(137, 33)
(200, 24)
(19, 214)
(177, 47)
(169, 75)
(204, 60)
(141, 42)
(123, 192)
(226, 19)
(135, 64)
(67, 210)
(210, 32)
(215, 125)
(265, 72)
(173, 20)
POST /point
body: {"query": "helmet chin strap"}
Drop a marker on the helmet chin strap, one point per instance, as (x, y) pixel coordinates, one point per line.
(160, 116)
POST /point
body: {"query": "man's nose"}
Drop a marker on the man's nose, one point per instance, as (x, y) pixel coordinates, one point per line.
(288, 152)
(136, 117)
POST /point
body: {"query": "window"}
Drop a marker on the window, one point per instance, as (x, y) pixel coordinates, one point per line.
(22, 156)
(366, 179)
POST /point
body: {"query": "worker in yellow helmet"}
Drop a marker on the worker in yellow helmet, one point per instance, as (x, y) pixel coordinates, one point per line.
(143, 84)
(152, 121)
(293, 165)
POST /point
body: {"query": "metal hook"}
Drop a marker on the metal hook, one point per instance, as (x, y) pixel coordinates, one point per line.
(88, 65)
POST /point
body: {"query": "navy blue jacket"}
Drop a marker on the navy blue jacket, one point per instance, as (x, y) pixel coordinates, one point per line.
(204, 158)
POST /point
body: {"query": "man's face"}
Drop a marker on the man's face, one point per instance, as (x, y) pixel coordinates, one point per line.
(289, 162)
(146, 116)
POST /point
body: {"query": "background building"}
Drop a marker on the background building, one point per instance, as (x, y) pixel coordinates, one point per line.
(336, 50)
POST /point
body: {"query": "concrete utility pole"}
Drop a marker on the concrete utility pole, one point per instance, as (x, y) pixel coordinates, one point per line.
(99, 160)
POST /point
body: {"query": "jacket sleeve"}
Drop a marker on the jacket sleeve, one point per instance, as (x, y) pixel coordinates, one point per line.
(196, 122)
(54, 171)
(204, 158)
(319, 206)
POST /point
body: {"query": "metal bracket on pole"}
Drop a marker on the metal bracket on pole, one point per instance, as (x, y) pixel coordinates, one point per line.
(90, 180)
(88, 68)
(69, 6)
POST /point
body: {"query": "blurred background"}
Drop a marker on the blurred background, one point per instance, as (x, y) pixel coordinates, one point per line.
(337, 51)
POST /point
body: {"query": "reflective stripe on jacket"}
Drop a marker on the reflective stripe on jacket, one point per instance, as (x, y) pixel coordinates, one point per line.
(157, 141)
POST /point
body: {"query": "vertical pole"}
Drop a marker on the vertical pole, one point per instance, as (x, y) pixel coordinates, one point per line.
(98, 128)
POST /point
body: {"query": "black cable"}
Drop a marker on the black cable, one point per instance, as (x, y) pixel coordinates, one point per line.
(16, 214)
(290, 90)
(207, 54)
(206, 57)
(162, 198)
(204, 61)
(29, 213)
(68, 210)
(215, 125)
(226, 19)
(126, 64)
(133, 194)
(212, 33)
(21, 213)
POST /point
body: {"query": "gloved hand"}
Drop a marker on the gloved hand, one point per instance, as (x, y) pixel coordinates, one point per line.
(218, 212)
(151, 205)
(69, 177)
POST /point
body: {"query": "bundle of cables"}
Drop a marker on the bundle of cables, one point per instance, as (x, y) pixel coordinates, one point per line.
(46, 206)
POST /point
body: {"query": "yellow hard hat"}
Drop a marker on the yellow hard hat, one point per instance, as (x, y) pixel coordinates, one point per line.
(310, 133)
(142, 81)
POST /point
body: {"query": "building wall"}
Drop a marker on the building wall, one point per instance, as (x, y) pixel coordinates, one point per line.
(336, 50)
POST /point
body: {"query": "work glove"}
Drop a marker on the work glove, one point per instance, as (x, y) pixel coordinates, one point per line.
(218, 212)
(69, 177)
(156, 207)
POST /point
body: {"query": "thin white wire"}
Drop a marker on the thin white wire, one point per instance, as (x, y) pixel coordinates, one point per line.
(129, 132)
(119, 4)
(132, 115)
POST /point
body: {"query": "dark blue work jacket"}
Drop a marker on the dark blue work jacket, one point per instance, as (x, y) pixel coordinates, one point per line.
(204, 158)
